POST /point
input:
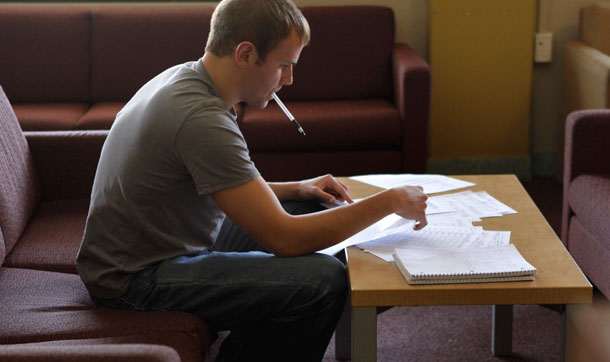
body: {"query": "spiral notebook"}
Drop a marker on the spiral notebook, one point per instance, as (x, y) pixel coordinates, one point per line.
(423, 265)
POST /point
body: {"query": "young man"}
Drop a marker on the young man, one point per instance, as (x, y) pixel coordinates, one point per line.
(175, 163)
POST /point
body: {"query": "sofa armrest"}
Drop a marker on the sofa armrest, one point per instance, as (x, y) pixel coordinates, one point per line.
(66, 161)
(587, 150)
(586, 78)
(89, 353)
(412, 98)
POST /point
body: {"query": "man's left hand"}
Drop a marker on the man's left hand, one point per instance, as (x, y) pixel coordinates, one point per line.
(325, 188)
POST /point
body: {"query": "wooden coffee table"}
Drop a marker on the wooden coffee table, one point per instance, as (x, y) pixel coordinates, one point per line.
(376, 284)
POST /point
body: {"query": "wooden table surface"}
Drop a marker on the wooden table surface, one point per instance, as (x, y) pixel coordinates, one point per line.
(375, 282)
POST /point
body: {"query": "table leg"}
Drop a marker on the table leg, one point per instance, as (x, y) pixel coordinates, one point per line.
(501, 329)
(343, 333)
(566, 330)
(364, 334)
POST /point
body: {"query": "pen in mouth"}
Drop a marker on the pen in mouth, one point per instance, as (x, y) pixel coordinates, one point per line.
(288, 114)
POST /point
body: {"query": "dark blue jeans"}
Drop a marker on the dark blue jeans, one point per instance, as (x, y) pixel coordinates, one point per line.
(277, 309)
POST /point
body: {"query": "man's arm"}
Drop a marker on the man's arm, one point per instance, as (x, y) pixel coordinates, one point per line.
(325, 188)
(256, 209)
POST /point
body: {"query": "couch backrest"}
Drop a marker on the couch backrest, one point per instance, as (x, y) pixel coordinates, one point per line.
(106, 54)
(595, 26)
(19, 184)
(44, 54)
(349, 56)
(132, 45)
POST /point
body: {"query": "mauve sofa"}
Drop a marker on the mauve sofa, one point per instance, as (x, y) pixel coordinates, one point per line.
(362, 99)
(45, 311)
(586, 229)
(586, 194)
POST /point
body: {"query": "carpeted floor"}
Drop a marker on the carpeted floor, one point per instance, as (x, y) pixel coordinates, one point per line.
(463, 333)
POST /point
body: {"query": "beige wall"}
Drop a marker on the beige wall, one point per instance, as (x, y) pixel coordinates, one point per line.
(561, 18)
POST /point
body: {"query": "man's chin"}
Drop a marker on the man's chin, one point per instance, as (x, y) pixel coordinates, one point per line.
(258, 105)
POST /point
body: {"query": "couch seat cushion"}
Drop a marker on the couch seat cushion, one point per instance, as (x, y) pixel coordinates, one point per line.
(100, 115)
(49, 116)
(39, 306)
(588, 196)
(52, 237)
(329, 126)
(88, 352)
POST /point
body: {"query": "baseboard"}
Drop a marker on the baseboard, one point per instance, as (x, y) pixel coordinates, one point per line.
(520, 166)
(544, 164)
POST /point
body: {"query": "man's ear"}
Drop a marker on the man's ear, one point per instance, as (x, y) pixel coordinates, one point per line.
(245, 54)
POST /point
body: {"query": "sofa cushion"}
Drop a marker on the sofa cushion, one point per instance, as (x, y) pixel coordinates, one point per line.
(145, 41)
(595, 26)
(49, 116)
(45, 53)
(329, 126)
(100, 116)
(88, 352)
(588, 197)
(52, 237)
(19, 184)
(38, 306)
(349, 56)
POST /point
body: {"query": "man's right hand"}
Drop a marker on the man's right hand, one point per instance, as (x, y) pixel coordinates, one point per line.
(410, 203)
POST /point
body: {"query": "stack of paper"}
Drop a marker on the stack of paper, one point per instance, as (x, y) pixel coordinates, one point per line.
(423, 265)
(450, 219)
(450, 249)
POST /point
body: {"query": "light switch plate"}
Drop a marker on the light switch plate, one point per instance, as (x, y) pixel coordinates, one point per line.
(543, 47)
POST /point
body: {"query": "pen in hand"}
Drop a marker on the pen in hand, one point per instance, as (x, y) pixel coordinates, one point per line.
(288, 114)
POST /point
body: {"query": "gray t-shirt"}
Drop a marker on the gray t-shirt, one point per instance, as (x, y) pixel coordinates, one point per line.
(172, 145)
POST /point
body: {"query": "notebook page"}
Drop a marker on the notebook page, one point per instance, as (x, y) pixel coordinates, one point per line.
(493, 261)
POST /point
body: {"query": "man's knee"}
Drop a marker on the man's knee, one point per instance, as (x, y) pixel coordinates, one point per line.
(332, 275)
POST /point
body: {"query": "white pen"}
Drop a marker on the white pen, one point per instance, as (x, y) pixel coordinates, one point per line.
(288, 114)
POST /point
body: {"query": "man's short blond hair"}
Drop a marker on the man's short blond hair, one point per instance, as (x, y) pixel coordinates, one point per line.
(264, 23)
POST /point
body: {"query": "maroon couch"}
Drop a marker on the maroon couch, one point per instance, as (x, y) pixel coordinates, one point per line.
(45, 311)
(586, 194)
(362, 99)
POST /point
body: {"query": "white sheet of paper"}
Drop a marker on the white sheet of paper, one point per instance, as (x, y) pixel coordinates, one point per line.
(468, 204)
(434, 206)
(450, 220)
(431, 183)
(436, 237)
(391, 233)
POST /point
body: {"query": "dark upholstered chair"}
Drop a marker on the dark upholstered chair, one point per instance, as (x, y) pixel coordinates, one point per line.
(586, 195)
(45, 182)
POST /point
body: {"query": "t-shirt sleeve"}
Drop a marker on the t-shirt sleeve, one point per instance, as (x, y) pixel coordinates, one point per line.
(214, 152)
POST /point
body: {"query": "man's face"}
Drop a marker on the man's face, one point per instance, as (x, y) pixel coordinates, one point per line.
(269, 77)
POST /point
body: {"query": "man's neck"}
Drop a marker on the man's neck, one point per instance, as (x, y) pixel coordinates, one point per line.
(223, 78)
